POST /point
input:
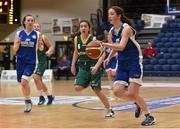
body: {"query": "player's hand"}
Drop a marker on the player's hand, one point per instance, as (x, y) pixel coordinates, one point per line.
(73, 69)
(104, 44)
(106, 62)
(48, 53)
(93, 70)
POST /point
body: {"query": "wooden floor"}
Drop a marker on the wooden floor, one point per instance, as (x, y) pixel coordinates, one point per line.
(82, 110)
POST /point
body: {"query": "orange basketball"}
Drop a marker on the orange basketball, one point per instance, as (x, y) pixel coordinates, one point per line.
(94, 49)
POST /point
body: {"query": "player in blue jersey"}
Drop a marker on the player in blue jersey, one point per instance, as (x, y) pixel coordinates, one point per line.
(129, 72)
(111, 67)
(44, 50)
(25, 47)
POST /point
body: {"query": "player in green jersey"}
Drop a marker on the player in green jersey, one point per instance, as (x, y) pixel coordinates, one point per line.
(44, 50)
(89, 69)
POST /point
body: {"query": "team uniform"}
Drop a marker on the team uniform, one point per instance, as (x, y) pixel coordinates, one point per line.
(40, 69)
(42, 59)
(112, 65)
(129, 60)
(85, 77)
(26, 54)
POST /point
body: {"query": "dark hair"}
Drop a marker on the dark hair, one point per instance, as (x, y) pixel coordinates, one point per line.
(24, 19)
(120, 11)
(86, 21)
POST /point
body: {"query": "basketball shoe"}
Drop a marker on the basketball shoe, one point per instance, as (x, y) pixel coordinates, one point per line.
(138, 111)
(110, 113)
(149, 120)
(41, 100)
(50, 99)
(28, 106)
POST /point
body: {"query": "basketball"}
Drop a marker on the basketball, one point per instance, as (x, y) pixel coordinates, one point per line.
(94, 49)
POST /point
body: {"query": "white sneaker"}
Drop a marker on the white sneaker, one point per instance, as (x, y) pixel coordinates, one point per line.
(110, 113)
(28, 106)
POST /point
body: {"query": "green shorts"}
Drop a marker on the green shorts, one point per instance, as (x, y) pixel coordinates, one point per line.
(84, 78)
(41, 69)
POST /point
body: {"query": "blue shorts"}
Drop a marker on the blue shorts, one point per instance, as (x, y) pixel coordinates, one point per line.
(112, 64)
(24, 69)
(128, 72)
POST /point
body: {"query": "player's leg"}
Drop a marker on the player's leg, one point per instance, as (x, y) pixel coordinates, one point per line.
(48, 93)
(38, 83)
(120, 83)
(82, 80)
(26, 77)
(133, 89)
(135, 79)
(104, 100)
(26, 93)
(41, 87)
(96, 86)
(110, 78)
(111, 70)
(24, 80)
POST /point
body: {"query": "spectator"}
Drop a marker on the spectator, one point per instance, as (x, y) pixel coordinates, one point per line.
(103, 27)
(149, 51)
(102, 30)
(62, 67)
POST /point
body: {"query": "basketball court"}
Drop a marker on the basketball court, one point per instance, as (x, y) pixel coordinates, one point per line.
(83, 110)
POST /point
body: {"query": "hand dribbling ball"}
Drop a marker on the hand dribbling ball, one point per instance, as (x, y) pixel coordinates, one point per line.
(94, 49)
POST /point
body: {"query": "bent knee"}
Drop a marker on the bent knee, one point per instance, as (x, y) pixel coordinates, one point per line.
(24, 82)
(78, 88)
(96, 90)
(132, 96)
(36, 77)
(118, 93)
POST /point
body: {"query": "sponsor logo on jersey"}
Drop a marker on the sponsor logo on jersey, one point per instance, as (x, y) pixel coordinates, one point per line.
(27, 44)
(34, 36)
(117, 40)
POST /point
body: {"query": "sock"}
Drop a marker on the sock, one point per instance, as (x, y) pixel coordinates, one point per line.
(108, 108)
(40, 92)
(148, 114)
(27, 97)
(47, 93)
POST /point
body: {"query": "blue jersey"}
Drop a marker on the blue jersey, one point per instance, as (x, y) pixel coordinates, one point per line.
(132, 51)
(129, 60)
(28, 45)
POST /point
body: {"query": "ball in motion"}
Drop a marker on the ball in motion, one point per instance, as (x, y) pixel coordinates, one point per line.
(94, 49)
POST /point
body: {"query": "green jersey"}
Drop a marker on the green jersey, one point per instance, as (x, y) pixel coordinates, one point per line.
(81, 47)
(84, 76)
(42, 59)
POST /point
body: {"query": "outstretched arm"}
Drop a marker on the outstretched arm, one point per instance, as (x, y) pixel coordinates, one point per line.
(126, 34)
